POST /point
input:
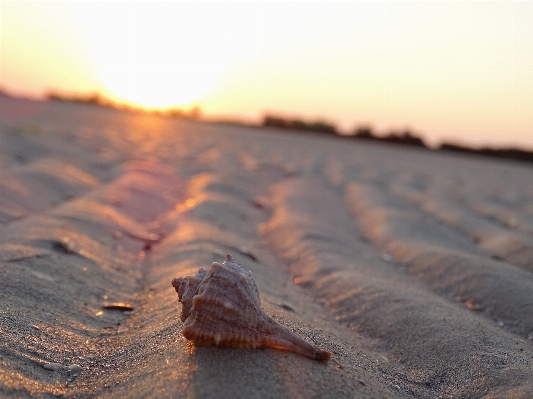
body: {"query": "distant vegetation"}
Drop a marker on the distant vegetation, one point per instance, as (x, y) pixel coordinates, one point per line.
(405, 137)
(98, 100)
(92, 99)
(318, 126)
(363, 133)
(360, 133)
(503, 153)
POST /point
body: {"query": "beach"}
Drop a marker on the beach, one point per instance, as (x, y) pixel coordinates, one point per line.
(414, 269)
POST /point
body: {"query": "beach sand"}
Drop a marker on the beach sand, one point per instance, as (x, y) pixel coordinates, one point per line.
(414, 269)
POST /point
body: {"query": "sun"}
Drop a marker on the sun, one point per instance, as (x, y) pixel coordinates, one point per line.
(149, 54)
(155, 87)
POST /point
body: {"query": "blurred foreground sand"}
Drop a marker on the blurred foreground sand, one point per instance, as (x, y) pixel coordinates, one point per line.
(415, 270)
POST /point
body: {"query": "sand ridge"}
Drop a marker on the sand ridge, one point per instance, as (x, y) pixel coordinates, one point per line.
(413, 270)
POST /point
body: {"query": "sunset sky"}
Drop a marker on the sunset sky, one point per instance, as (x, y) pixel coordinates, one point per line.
(449, 70)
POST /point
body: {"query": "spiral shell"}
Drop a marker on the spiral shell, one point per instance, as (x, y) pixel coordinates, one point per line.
(222, 308)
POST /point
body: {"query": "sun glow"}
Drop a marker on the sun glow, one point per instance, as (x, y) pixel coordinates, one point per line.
(448, 69)
(151, 54)
(181, 87)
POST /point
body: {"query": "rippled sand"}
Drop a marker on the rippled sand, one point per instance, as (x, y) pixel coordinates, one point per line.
(415, 270)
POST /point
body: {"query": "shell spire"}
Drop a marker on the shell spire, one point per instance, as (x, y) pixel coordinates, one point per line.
(222, 308)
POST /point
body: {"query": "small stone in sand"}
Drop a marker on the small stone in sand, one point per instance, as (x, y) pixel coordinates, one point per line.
(472, 305)
(118, 306)
(52, 366)
(287, 307)
(65, 245)
(245, 251)
(260, 202)
(74, 368)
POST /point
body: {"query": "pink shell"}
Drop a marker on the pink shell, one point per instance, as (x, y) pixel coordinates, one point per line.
(222, 308)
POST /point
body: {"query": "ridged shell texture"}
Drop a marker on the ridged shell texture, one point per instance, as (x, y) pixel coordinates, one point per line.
(222, 308)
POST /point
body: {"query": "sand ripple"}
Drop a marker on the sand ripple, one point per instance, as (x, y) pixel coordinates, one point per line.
(413, 269)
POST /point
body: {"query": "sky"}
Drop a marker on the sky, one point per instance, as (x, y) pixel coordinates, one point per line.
(458, 71)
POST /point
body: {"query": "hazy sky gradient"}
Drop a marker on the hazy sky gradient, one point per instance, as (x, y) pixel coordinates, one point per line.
(449, 69)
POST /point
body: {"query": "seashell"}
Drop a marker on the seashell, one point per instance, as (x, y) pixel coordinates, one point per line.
(222, 308)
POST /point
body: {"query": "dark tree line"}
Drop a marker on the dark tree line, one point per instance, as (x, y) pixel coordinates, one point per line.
(503, 153)
(361, 133)
(318, 126)
(405, 137)
(364, 133)
(97, 100)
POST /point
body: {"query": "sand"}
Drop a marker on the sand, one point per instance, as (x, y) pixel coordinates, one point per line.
(414, 269)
